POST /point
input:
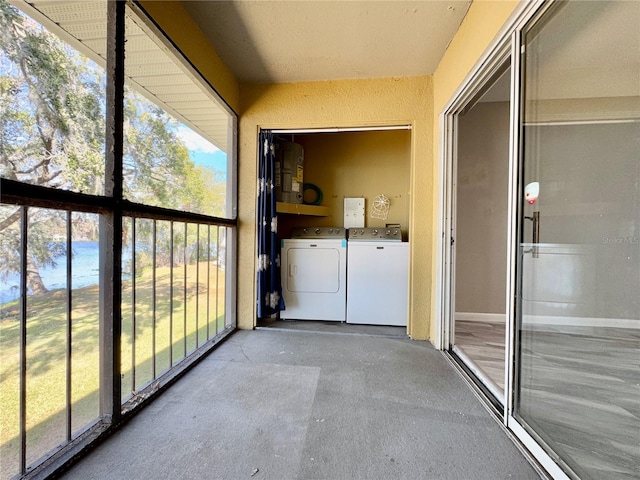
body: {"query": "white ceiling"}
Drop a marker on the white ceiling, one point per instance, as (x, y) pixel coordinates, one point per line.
(293, 41)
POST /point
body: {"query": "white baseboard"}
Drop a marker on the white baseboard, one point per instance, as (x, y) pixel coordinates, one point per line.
(481, 317)
(541, 320)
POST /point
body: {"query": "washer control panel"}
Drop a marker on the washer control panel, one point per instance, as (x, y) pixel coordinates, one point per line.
(319, 232)
(374, 234)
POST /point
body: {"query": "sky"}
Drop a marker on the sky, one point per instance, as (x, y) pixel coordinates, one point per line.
(202, 151)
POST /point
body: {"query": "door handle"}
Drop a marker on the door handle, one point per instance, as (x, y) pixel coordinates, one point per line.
(535, 218)
(292, 270)
(536, 227)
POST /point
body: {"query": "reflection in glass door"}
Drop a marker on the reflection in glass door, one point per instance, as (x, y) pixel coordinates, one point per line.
(480, 246)
(578, 309)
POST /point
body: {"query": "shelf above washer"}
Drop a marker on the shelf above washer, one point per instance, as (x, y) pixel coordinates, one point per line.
(301, 209)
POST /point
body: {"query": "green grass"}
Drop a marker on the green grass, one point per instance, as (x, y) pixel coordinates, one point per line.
(46, 352)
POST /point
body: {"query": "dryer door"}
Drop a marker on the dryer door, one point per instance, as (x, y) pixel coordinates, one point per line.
(313, 270)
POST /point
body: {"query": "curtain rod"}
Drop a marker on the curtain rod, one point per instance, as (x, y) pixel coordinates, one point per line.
(337, 130)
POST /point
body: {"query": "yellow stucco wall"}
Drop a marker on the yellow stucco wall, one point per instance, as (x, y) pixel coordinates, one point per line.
(174, 20)
(355, 164)
(417, 101)
(482, 23)
(346, 103)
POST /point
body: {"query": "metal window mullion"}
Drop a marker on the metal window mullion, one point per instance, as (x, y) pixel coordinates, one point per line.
(133, 304)
(154, 297)
(69, 324)
(111, 221)
(184, 297)
(24, 212)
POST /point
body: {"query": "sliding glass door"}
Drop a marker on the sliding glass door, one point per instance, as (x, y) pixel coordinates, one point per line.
(571, 228)
(577, 335)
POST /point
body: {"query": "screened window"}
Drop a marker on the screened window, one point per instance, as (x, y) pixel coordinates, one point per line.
(52, 100)
(78, 262)
(177, 143)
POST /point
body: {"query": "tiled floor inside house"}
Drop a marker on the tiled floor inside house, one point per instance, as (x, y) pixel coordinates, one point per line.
(301, 404)
(580, 390)
(483, 342)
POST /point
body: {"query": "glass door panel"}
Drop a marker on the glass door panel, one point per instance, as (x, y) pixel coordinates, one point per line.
(578, 310)
(481, 192)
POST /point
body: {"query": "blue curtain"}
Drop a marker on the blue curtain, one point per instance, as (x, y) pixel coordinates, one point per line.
(269, 284)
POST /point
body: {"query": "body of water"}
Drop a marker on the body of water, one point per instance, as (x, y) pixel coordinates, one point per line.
(85, 268)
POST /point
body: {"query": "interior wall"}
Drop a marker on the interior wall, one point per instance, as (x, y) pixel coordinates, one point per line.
(355, 164)
(481, 25)
(481, 209)
(346, 103)
(589, 177)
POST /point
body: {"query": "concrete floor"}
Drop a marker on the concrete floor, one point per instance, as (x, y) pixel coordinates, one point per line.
(295, 404)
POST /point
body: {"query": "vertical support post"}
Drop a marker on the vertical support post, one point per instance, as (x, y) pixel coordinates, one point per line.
(154, 298)
(230, 276)
(69, 324)
(231, 202)
(171, 297)
(133, 305)
(111, 222)
(184, 293)
(197, 284)
(217, 277)
(24, 212)
(208, 279)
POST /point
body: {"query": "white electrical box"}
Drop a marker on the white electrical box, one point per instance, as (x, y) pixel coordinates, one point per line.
(353, 212)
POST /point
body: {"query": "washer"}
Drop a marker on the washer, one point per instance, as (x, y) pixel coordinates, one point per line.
(378, 280)
(314, 274)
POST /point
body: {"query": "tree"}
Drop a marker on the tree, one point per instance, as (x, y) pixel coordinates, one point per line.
(157, 166)
(52, 133)
(52, 116)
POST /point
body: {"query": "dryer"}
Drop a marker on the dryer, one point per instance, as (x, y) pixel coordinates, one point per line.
(314, 274)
